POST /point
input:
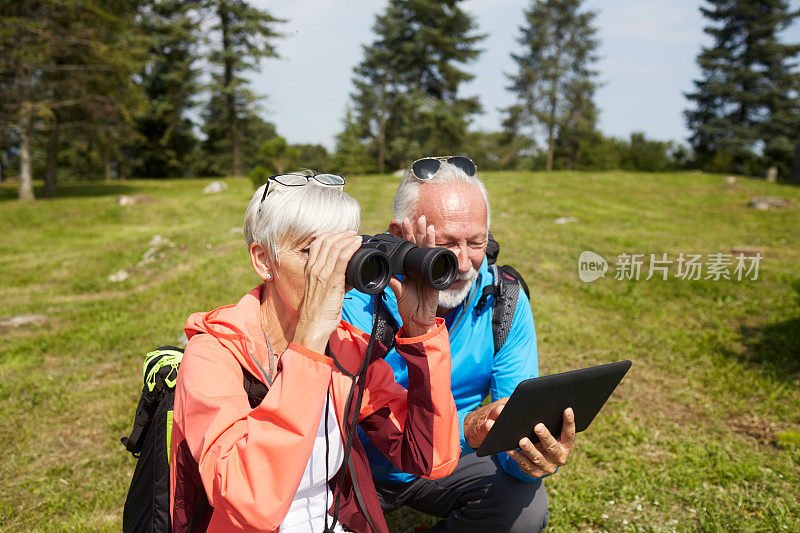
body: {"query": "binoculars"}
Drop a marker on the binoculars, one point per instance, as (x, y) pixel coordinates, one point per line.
(382, 256)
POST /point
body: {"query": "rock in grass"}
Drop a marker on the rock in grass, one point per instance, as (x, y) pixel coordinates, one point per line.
(730, 180)
(158, 240)
(22, 320)
(215, 187)
(118, 276)
(747, 250)
(125, 200)
(565, 220)
(148, 257)
(763, 203)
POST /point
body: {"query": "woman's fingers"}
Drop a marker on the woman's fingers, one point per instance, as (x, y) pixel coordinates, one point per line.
(326, 252)
(348, 247)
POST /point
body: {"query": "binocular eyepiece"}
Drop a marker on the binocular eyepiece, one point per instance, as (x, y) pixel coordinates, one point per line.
(382, 256)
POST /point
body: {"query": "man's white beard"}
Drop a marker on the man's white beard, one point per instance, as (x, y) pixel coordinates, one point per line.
(451, 298)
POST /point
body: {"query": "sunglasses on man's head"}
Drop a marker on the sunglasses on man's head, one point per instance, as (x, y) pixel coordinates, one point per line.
(297, 179)
(427, 167)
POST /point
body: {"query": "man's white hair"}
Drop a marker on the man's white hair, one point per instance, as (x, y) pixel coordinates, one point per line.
(290, 215)
(406, 199)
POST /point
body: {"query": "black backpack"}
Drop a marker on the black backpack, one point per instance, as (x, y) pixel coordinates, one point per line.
(505, 289)
(147, 508)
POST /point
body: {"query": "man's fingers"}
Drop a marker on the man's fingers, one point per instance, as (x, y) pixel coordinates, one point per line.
(496, 410)
(531, 462)
(408, 230)
(421, 231)
(430, 236)
(550, 446)
(535, 456)
(568, 429)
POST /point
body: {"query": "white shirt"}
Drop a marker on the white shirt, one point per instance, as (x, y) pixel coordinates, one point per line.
(313, 497)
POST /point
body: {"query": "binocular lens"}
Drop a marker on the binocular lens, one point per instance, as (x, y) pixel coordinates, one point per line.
(436, 267)
(371, 270)
(368, 271)
(439, 269)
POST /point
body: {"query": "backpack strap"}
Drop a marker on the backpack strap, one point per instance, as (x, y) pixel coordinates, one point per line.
(505, 289)
(384, 329)
(492, 249)
(160, 370)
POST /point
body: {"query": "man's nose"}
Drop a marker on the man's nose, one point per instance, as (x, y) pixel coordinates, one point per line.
(464, 264)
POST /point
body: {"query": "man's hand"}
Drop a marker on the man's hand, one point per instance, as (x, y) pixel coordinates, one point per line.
(416, 302)
(478, 423)
(542, 459)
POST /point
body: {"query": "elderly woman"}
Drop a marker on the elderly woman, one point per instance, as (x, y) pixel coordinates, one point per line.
(289, 462)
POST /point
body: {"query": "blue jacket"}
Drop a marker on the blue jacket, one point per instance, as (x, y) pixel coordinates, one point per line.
(476, 371)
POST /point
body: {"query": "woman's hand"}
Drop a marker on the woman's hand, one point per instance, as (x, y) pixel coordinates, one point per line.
(416, 301)
(321, 307)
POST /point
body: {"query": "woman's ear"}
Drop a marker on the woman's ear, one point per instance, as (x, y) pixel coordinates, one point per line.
(259, 258)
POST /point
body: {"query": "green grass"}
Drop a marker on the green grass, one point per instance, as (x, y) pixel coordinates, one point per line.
(701, 435)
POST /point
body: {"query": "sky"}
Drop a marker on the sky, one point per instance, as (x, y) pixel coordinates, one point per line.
(648, 50)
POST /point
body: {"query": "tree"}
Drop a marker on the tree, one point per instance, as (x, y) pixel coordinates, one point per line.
(555, 82)
(170, 82)
(352, 155)
(406, 98)
(66, 65)
(745, 108)
(312, 156)
(216, 150)
(243, 35)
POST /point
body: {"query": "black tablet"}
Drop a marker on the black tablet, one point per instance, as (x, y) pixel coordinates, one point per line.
(544, 399)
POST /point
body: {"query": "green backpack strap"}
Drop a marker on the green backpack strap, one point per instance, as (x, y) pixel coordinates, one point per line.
(159, 372)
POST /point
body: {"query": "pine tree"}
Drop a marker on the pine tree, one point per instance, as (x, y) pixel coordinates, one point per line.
(243, 35)
(406, 100)
(555, 82)
(216, 150)
(170, 82)
(745, 106)
(67, 65)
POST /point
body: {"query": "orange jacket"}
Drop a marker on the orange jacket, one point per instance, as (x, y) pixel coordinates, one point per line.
(250, 460)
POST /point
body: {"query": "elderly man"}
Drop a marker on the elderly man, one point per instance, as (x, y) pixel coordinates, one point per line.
(503, 492)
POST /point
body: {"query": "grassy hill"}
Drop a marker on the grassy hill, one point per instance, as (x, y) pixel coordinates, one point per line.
(703, 434)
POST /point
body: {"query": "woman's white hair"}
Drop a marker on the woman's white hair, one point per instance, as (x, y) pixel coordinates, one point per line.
(406, 199)
(290, 215)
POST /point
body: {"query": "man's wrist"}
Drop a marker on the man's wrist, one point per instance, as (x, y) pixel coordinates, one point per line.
(415, 329)
(469, 430)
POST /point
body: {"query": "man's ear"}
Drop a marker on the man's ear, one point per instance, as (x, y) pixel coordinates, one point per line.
(395, 228)
(259, 258)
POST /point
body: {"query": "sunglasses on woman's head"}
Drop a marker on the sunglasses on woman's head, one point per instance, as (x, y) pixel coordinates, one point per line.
(427, 167)
(296, 179)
